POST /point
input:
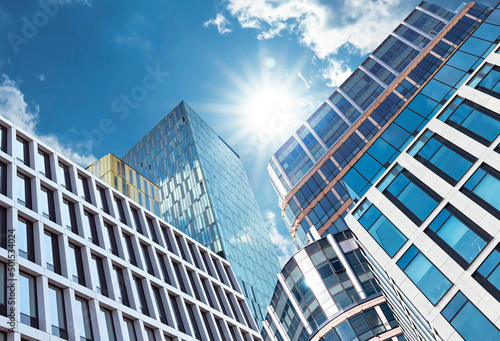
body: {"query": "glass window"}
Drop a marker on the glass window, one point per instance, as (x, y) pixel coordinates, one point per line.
(68, 216)
(163, 268)
(152, 230)
(150, 334)
(103, 201)
(130, 249)
(83, 187)
(44, 164)
(382, 230)
(137, 221)
(442, 157)
(63, 176)
(131, 329)
(83, 319)
(75, 265)
(123, 297)
(23, 190)
(488, 80)
(99, 276)
(488, 274)
(26, 243)
(47, 204)
(3, 289)
(52, 260)
(147, 259)
(143, 307)
(3, 227)
(409, 194)
(162, 315)
(21, 150)
(3, 138)
(109, 327)
(89, 227)
(483, 187)
(3, 177)
(457, 235)
(57, 312)
(177, 313)
(28, 300)
(110, 233)
(120, 214)
(468, 321)
(424, 274)
(479, 123)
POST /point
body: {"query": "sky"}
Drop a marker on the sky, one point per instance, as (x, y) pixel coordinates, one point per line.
(89, 77)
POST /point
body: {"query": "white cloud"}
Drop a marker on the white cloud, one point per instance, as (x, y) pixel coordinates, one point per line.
(14, 108)
(283, 245)
(323, 28)
(221, 22)
(335, 73)
(306, 84)
(40, 77)
(135, 40)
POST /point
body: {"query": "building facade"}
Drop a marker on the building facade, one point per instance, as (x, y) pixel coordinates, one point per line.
(319, 171)
(430, 224)
(116, 173)
(327, 292)
(205, 192)
(81, 261)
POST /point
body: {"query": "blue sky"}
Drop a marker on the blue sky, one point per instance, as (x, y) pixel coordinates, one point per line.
(92, 77)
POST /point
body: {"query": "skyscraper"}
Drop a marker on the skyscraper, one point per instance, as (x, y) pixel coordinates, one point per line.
(81, 261)
(319, 170)
(205, 192)
(429, 225)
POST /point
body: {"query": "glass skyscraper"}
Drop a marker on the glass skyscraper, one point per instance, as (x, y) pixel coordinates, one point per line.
(205, 192)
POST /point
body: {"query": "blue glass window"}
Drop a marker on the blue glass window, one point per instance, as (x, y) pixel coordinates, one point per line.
(457, 235)
(409, 194)
(468, 321)
(483, 187)
(479, 123)
(442, 157)
(424, 274)
(381, 229)
(488, 274)
(488, 80)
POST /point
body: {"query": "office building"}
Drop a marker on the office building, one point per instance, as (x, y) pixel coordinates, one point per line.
(318, 172)
(81, 261)
(205, 192)
(326, 291)
(116, 173)
(429, 225)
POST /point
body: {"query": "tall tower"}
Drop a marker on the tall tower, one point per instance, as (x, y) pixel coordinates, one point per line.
(205, 192)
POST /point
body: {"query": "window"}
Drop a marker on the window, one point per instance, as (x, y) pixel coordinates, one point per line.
(68, 216)
(468, 321)
(120, 214)
(424, 274)
(64, 178)
(57, 312)
(137, 221)
(473, 120)
(380, 228)
(130, 249)
(28, 300)
(147, 259)
(83, 187)
(21, 150)
(3, 227)
(23, 190)
(103, 201)
(3, 177)
(47, 204)
(190, 308)
(409, 194)
(178, 318)
(208, 325)
(181, 248)
(3, 288)
(150, 334)
(193, 285)
(83, 319)
(112, 245)
(483, 188)
(123, 297)
(163, 268)
(107, 321)
(52, 259)
(167, 239)
(132, 336)
(179, 277)
(99, 276)
(143, 307)
(162, 314)
(460, 237)
(75, 265)
(488, 80)
(26, 242)
(44, 164)
(152, 231)
(89, 227)
(3, 138)
(488, 274)
(442, 157)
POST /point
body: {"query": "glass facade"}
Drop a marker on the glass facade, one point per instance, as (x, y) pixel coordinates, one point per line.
(205, 192)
